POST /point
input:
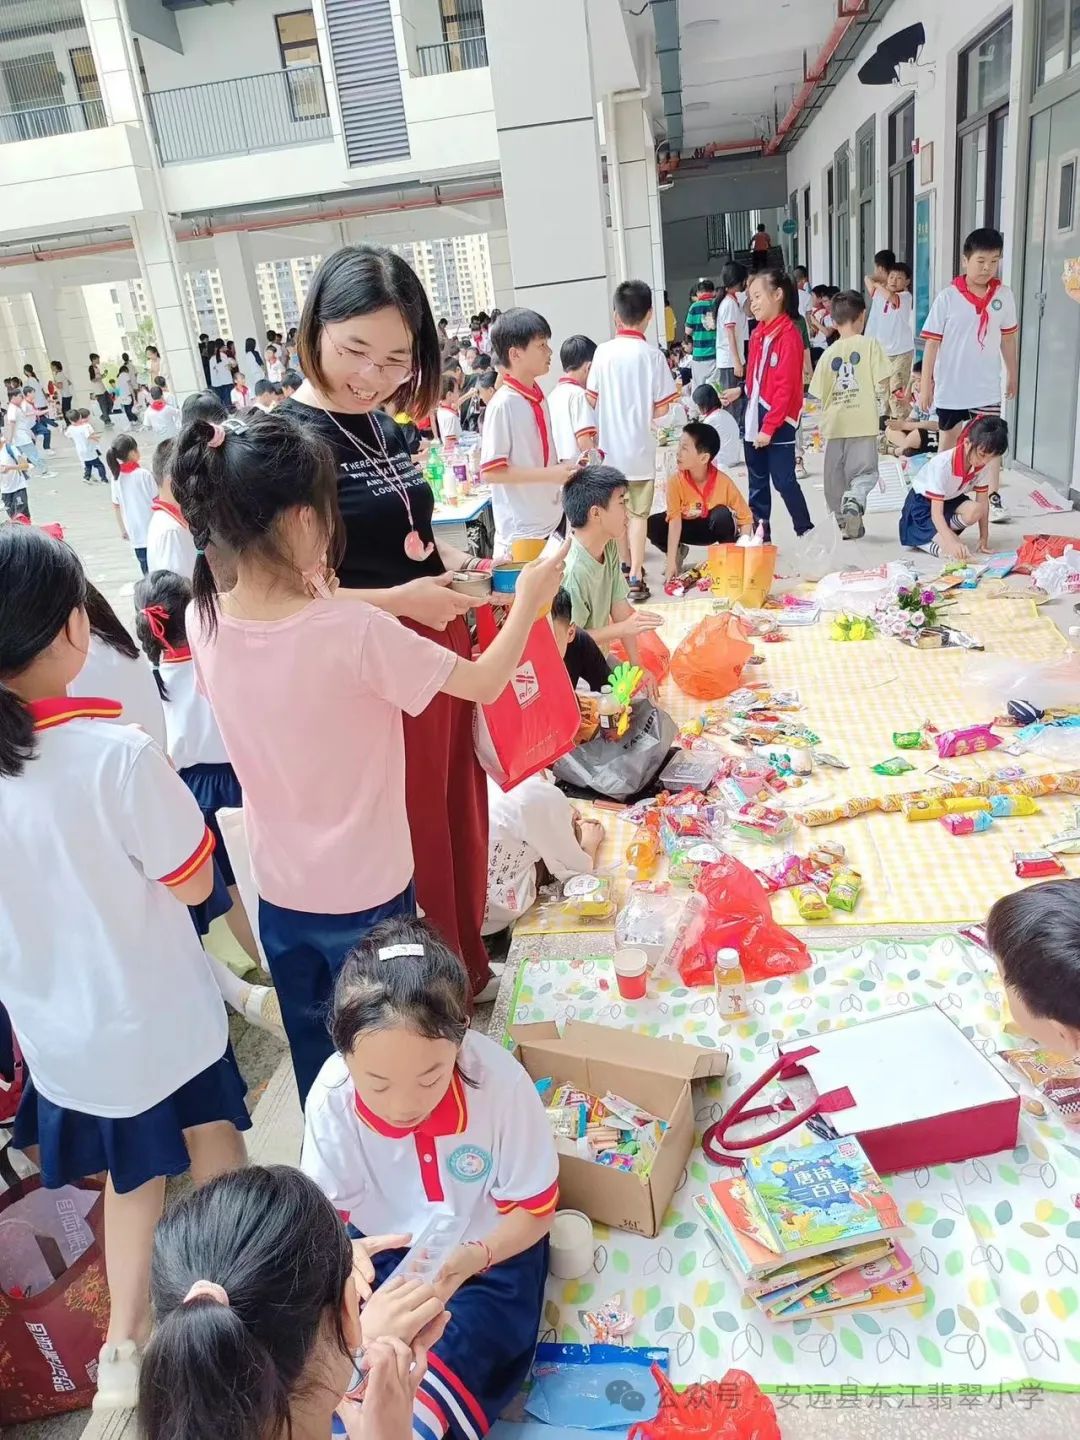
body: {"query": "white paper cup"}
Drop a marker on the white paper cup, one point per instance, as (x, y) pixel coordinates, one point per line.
(571, 1245)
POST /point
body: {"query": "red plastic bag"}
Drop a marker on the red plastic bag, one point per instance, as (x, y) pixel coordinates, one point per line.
(1037, 548)
(535, 720)
(732, 911)
(708, 662)
(655, 655)
(733, 1408)
(54, 1300)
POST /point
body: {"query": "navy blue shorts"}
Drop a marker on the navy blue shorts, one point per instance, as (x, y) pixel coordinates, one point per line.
(137, 1148)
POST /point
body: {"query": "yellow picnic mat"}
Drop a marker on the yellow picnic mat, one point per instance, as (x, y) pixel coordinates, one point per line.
(855, 694)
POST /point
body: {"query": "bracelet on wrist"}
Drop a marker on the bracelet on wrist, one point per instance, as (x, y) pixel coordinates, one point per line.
(482, 1245)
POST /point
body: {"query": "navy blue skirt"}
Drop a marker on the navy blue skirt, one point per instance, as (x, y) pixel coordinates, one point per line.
(137, 1148)
(916, 526)
(483, 1359)
(215, 788)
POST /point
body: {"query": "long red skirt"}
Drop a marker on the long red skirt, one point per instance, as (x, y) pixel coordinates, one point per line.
(446, 799)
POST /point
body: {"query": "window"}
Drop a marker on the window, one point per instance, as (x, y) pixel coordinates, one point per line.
(982, 131)
(902, 180)
(864, 151)
(842, 191)
(86, 85)
(1059, 38)
(299, 49)
(828, 217)
(1066, 195)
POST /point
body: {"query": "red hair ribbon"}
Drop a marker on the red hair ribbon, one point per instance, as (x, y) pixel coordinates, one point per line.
(157, 617)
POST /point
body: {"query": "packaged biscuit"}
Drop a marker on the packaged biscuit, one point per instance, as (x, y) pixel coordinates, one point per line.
(810, 902)
(844, 890)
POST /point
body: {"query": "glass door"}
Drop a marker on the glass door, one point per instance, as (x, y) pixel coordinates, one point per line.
(864, 163)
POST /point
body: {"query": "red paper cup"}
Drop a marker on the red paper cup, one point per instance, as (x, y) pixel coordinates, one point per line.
(631, 972)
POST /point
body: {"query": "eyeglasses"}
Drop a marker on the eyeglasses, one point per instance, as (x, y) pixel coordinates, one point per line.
(394, 375)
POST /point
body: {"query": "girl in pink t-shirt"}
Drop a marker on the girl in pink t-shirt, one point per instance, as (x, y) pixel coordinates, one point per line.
(308, 685)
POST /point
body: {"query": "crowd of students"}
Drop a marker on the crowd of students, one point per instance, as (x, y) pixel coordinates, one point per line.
(311, 662)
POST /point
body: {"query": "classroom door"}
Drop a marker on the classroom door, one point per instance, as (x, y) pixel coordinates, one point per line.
(1049, 320)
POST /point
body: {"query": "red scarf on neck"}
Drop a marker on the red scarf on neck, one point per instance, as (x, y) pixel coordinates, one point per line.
(959, 464)
(981, 303)
(170, 509)
(535, 397)
(157, 404)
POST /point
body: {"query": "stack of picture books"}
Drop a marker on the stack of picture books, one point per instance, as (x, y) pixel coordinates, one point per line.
(810, 1227)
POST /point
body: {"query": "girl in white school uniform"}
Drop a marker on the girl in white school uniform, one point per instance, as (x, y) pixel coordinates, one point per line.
(127, 1043)
(133, 493)
(308, 685)
(169, 545)
(417, 1115)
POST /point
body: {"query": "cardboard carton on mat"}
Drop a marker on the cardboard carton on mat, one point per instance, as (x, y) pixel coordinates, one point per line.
(652, 1073)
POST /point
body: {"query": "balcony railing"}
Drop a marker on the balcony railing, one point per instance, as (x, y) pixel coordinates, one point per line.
(452, 55)
(240, 117)
(46, 120)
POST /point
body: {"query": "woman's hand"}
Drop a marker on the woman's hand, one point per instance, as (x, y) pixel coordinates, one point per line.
(400, 1308)
(393, 1371)
(363, 1250)
(429, 601)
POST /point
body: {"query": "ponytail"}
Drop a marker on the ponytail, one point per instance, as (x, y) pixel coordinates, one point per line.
(161, 599)
(230, 1359)
(122, 448)
(105, 624)
(780, 280)
(41, 583)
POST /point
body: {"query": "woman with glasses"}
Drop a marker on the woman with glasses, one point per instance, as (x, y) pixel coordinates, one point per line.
(368, 344)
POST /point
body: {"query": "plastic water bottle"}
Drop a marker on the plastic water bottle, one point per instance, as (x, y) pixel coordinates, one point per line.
(434, 471)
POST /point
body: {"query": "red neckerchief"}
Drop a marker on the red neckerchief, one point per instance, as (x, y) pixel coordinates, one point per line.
(47, 714)
(700, 492)
(959, 455)
(535, 397)
(157, 404)
(569, 380)
(632, 334)
(128, 466)
(449, 1117)
(981, 303)
(168, 508)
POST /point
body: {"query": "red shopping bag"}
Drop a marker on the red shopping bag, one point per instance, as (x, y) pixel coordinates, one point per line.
(536, 718)
(54, 1300)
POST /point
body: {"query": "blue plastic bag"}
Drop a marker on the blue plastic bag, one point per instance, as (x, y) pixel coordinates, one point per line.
(594, 1387)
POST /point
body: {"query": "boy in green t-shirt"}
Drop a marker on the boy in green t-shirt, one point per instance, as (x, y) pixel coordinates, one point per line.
(701, 332)
(850, 381)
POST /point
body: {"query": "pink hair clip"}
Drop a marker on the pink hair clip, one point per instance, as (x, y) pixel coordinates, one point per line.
(210, 1290)
(218, 436)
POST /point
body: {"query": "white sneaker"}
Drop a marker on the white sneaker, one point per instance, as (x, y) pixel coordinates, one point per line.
(998, 512)
(118, 1376)
(489, 993)
(46, 474)
(262, 1008)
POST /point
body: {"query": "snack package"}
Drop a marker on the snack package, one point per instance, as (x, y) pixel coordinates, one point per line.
(910, 740)
(967, 824)
(921, 807)
(845, 810)
(844, 890)
(568, 1121)
(761, 822)
(967, 741)
(965, 804)
(1037, 865)
(1006, 805)
(827, 852)
(1055, 1077)
(810, 902)
(588, 897)
(896, 765)
(650, 920)
(782, 873)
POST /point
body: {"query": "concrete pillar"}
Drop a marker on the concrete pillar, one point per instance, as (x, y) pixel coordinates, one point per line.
(232, 252)
(549, 154)
(502, 274)
(26, 340)
(163, 281)
(65, 330)
(635, 207)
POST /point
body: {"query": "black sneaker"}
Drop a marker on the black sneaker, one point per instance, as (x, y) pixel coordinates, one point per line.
(998, 513)
(639, 591)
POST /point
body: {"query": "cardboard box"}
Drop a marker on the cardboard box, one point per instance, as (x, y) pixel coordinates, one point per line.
(654, 1074)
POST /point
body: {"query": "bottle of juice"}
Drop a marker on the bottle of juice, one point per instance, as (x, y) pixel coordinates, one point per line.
(434, 469)
(731, 986)
(642, 852)
(609, 710)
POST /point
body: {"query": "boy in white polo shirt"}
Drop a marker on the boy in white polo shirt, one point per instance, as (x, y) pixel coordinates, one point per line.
(970, 330)
(573, 419)
(517, 454)
(631, 386)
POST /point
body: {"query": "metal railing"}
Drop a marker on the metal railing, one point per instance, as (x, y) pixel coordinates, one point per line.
(44, 120)
(452, 55)
(240, 117)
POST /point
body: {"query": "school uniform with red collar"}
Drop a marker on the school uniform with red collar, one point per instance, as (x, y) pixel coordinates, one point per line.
(448, 423)
(517, 434)
(169, 545)
(162, 420)
(969, 327)
(774, 379)
(485, 1150)
(116, 1079)
(134, 491)
(947, 478)
(573, 418)
(628, 381)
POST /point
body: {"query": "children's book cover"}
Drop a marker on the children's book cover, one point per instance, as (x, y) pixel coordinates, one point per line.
(844, 1288)
(907, 1290)
(775, 1300)
(820, 1196)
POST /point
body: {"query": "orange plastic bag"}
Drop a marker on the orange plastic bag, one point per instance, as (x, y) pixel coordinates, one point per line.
(655, 655)
(742, 574)
(708, 663)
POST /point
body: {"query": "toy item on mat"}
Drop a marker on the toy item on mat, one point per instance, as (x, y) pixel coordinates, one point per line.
(967, 741)
(1055, 1077)
(588, 897)
(852, 627)
(729, 1409)
(896, 765)
(610, 1321)
(1037, 864)
(968, 824)
(708, 663)
(595, 1387)
(810, 902)
(844, 890)
(910, 740)
(625, 680)
(1008, 805)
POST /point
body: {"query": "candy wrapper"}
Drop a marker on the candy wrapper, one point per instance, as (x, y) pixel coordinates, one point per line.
(610, 1321)
(1056, 1078)
(897, 765)
(1037, 864)
(910, 740)
(810, 902)
(968, 741)
(782, 874)
(844, 890)
(568, 1122)
(967, 824)
(1002, 806)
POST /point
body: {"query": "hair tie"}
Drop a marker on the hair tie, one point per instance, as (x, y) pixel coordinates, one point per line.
(394, 952)
(218, 436)
(210, 1290)
(157, 617)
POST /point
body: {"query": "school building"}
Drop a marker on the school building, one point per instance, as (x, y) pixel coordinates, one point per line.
(587, 140)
